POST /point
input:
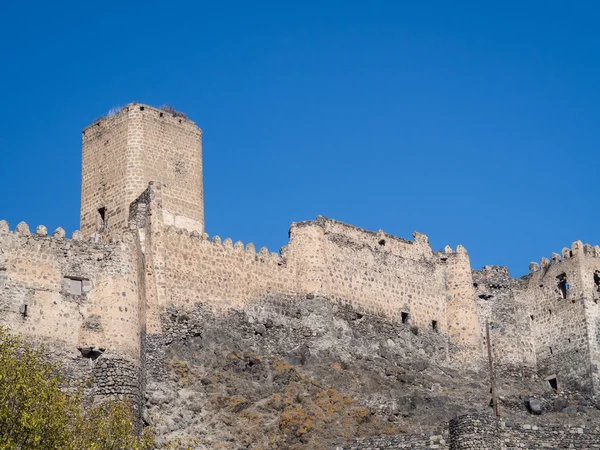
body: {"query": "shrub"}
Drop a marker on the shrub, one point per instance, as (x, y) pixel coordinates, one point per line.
(40, 411)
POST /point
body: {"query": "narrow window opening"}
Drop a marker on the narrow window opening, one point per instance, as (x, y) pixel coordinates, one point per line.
(562, 285)
(382, 242)
(569, 339)
(550, 311)
(475, 285)
(597, 280)
(550, 348)
(532, 318)
(553, 383)
(404, 317)
(102, 225)
(434, 325)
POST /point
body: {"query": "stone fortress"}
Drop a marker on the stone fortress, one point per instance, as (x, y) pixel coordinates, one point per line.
(112, 301)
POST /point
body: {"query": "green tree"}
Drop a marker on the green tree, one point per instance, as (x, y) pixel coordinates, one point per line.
(39, 410)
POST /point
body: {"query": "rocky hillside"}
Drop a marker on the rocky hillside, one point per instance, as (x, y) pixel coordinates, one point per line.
(304, 373)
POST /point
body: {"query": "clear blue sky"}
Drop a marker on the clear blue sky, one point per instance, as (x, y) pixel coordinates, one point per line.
(474, 123)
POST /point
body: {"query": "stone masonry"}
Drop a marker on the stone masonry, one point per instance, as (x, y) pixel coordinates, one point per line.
(103, 300)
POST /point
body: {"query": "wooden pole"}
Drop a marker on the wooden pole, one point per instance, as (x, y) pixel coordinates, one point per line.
(492, 375)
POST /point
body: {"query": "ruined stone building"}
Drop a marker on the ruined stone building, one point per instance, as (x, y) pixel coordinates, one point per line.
(138, 297)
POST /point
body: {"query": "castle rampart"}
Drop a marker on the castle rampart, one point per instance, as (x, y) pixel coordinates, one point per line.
(113, 298)
(80, 299)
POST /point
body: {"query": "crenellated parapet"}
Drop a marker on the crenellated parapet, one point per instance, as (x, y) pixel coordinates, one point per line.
(22, 229)
(215, 243)
(577, 249)
(375, 241)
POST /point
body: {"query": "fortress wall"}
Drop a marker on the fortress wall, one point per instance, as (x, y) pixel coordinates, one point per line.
(221, 274)
(373, 272)
(69, 292)
(501, 302)
(559, 325)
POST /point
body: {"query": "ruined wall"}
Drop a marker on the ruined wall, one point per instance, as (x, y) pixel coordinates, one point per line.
(557, 312)
(501, 303)
(385, 275)
(124, 152)
(79, 299)
(547, 321)
(373, 272)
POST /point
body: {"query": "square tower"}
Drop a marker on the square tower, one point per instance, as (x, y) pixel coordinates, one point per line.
(123, 152)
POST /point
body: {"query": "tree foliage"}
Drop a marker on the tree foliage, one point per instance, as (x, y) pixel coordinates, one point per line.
(39, 410)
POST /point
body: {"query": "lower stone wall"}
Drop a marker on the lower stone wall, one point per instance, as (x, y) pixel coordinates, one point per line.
(550, 436)
(416, 441)
(477, 432)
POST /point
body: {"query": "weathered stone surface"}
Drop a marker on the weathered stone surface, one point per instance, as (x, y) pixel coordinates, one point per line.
(23, 228)
(41, 230)
(534, 406)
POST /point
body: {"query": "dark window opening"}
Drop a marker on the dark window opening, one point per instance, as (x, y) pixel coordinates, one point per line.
(102, 219)
(553, 383)
(532, 318)
(597, 280)
(404, 317)
(562, 285)
(434, 325)
(550, 348)
(550, 311)
(382, 242)
(91, 352)
(475, 285)
(569, 339)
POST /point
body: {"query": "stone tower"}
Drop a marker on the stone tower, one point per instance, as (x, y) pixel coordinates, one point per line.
(122, 153)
